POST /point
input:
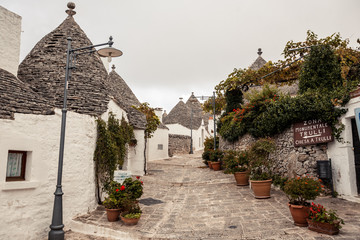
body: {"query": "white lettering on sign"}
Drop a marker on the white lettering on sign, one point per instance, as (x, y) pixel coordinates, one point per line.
(311, 132)
(121, 175)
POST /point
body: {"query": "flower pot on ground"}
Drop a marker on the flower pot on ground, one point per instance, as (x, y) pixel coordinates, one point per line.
(242, 178)
(299, 190)
(113, 209)
(132, 212)
(215, 158)
(260, 166)
(236, 162)
(323, 221)
(299, 214)
(210, 164)
(215, 166)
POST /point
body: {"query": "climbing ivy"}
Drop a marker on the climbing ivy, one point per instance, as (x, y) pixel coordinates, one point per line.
(152, 121)
(110, 149)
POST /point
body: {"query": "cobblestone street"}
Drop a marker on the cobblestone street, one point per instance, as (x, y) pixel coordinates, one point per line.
(184, 200)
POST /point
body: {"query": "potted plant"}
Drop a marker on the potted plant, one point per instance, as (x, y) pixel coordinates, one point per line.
(236, 162)
(260, 166)
(133, 188)
(132, 212)
(299, 191)
(113, 202)
(113, 208)
(323, 221)
(215, 158)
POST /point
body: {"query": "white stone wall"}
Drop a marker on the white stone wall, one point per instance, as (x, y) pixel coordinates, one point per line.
(342, 155)
(26, 206)
(135, 158)
(10, 31)
(161, 136)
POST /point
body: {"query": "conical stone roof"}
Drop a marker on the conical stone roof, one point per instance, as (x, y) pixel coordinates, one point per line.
(259, 62)
(125, 98)
(44, 70)
(17, 97)
(120, 90)
(181, 114)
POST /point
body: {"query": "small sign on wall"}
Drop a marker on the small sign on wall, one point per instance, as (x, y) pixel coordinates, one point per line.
(121, 175)
(311, 132)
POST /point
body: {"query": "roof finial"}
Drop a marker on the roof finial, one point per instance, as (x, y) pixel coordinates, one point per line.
(113, 67)
(259, 52)
(71, 7)
(181, 98)
(192, 93)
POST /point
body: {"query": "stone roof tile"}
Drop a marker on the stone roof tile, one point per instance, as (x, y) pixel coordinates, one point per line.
(17, 97)
(44, 70)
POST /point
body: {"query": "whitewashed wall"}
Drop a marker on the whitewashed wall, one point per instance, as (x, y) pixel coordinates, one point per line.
(342, 155)
(161, 136)
(26, 206)
(135, 159)
(10, 31)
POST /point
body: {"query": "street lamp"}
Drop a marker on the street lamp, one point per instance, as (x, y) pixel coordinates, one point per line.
(57, 225)
(191, 126)
(213, 102)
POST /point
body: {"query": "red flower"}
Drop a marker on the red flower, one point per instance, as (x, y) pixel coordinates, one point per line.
(122, 188)
(137, 177)
(142, 182)
(117, 189)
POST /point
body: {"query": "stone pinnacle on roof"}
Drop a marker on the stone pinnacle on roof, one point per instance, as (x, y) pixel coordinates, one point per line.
(71, 7)
(259, 62)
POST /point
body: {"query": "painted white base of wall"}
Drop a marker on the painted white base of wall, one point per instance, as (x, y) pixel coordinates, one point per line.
(100, 231)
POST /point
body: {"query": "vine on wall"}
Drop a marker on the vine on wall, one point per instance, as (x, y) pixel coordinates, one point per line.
(323, 92)
(110, 151)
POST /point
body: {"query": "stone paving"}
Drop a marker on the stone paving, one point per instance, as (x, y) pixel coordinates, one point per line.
(184, 200)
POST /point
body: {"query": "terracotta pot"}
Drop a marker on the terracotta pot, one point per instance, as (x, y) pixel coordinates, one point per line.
(242, 178)
(129, 221)
(326, 228)
(210, 164)
(216, 166)
(261, 188)
(300, 214)
(112, 214)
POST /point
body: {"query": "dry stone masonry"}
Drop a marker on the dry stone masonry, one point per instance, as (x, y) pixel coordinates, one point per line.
(179, 144)
(289, 160)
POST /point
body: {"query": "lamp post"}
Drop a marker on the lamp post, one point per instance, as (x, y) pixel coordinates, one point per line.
(213, 103)
(191, 139)
(57, 232)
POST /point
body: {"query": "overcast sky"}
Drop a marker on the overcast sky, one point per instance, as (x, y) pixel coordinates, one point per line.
(175, 47)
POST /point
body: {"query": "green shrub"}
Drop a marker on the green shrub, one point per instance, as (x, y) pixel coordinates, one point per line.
(259, 156)
(301, 189)
(235, 161)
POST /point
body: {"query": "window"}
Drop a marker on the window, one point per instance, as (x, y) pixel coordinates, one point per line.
(16, 164)
(160, 147)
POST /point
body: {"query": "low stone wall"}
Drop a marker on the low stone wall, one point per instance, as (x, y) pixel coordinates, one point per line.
(178, 144)
(289, 160)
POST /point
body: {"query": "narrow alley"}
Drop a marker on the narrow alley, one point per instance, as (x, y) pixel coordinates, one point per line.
(185, 200)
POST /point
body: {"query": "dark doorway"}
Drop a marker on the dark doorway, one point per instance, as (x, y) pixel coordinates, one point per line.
(356, 145)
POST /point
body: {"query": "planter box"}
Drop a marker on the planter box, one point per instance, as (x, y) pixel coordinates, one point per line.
(320, 227)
